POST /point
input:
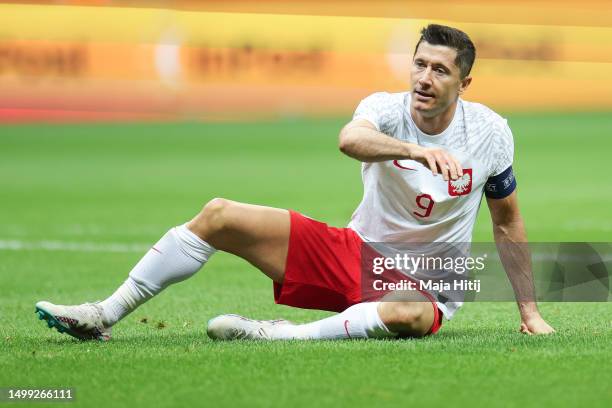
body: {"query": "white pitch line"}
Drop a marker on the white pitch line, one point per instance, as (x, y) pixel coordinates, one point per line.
(16, 245)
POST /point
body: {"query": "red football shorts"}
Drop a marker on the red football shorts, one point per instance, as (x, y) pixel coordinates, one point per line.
(323, 269)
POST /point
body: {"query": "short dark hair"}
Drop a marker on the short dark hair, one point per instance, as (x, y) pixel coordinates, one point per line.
(436, 34)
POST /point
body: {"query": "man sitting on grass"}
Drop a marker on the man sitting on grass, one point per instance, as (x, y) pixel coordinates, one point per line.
(428, 156)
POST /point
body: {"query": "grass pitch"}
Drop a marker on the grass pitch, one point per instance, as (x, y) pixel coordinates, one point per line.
(79, 205)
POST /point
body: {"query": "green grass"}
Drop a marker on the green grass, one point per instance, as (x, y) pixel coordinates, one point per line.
(130, 183)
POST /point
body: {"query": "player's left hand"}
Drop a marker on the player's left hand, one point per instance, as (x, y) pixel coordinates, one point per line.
(534, 324)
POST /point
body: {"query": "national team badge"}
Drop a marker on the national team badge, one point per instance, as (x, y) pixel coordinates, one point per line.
(461, 186)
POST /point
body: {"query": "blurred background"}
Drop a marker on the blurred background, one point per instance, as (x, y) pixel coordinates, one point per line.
(103, 60)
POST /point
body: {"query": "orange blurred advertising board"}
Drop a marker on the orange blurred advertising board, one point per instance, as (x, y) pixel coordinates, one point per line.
(136, 62)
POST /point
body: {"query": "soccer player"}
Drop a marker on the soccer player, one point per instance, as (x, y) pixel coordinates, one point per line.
(428, 156)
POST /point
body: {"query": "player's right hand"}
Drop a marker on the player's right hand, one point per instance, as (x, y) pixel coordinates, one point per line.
(437, 160)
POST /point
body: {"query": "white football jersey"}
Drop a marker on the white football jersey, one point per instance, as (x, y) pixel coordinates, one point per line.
(403, 202)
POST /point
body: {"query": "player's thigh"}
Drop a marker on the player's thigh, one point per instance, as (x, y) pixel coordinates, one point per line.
(409, 313)
(256, 233)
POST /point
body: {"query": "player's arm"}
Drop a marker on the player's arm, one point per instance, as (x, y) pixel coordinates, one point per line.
(360, 140)
(511, 241)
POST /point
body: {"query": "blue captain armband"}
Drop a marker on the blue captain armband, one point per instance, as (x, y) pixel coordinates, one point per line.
(502, 185)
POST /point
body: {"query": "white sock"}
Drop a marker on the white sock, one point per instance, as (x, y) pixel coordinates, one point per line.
(178, 255)
(357, 322)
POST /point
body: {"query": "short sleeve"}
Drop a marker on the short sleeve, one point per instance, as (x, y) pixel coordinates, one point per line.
(501, 182)
(503, 148)
(382, 110)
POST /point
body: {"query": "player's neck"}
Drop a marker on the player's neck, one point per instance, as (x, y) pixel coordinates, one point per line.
(436, 124)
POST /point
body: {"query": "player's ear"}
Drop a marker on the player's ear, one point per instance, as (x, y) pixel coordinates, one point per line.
(464, 84)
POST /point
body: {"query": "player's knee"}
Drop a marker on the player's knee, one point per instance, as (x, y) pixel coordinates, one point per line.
(404, 317)
(215, 206)
(214, 213)
(212, 218)
(406, 314)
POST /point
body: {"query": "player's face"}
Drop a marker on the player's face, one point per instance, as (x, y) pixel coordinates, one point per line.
(436, 80)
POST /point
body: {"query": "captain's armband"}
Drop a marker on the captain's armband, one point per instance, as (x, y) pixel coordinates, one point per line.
(502, 185)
